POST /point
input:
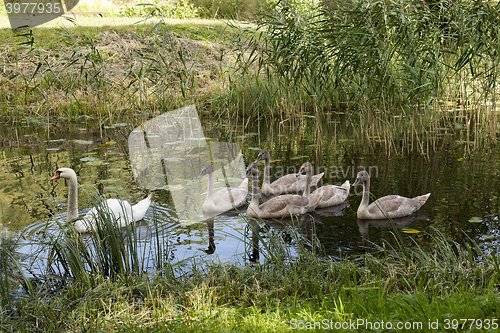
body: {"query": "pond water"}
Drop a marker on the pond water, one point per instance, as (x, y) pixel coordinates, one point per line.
(463, 182)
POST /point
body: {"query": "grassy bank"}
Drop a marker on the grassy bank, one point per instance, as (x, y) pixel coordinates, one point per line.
(88, 288)
(121, 71)
(400, 73)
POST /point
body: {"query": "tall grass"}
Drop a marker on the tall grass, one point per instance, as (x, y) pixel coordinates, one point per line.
(385, 62)
(77, 75)
(108, 251)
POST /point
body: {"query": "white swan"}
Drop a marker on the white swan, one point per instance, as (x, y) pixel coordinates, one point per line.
(393, 206)
(224, 199)
(283, 205)
(286, 184)
(121, 210)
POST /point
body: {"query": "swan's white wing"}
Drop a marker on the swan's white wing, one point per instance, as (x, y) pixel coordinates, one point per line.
(140, 208)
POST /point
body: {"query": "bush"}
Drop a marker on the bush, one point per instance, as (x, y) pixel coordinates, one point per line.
(228, 8)
(180, 9)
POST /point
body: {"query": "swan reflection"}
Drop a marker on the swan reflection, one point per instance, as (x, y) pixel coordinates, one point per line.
(399, 223)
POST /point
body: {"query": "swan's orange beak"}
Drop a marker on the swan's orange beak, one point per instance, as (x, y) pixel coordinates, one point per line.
(56, 176)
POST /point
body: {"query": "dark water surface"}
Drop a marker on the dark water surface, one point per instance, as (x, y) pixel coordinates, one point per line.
(463, 182)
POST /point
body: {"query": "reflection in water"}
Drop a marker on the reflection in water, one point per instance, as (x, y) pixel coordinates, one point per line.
(303, 221)
(337, 210)
(211, 242)
(399, 223)
(464, 183)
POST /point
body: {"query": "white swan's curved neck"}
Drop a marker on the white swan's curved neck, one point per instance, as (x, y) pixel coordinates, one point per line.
(72, 199)
(307, 190)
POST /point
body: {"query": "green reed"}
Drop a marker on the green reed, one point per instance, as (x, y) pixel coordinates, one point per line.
(400, 62)
(75, 75)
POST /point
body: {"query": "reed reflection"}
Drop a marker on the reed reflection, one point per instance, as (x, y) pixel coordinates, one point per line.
(400, 223)
(261, 229)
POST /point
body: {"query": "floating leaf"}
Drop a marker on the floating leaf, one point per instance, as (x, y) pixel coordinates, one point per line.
(115, 125)
(83, 142)
(111, 180)
(98, 162)
(173, 159)
(460, 159)
(108, 143)
(410, 231)
(487, 237)
(171, 187)
(475, 219)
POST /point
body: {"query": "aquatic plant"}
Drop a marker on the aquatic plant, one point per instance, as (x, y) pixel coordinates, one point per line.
(108, 251)
(401, 67)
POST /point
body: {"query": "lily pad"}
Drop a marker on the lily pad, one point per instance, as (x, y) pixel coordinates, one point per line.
(83, 142)
(98, 162)
(108, 143)
(410, 231)
(171, 187)
(173, 159)
(475, 219)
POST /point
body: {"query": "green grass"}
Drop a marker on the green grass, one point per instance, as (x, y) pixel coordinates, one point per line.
(400, 81)
(112, 72)
(402, 284)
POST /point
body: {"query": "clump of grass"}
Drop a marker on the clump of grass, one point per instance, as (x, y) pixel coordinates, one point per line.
(379, 62)
(109, 251)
